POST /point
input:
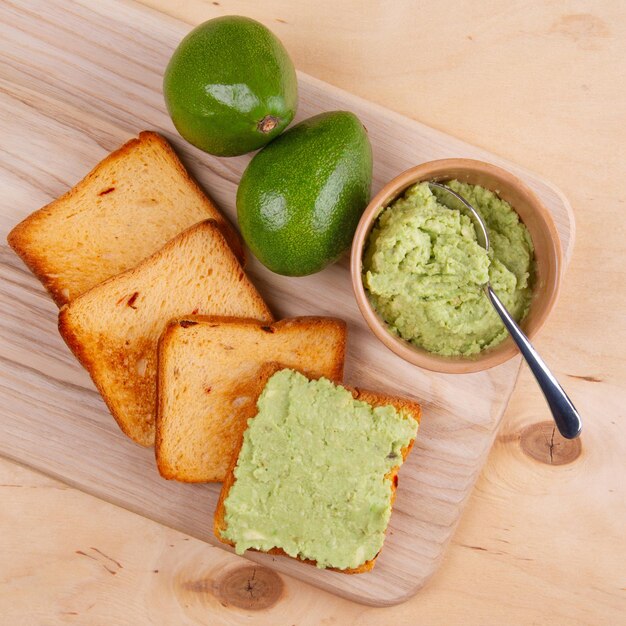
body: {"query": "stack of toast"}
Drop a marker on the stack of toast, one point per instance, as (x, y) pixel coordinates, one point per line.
(156, 305)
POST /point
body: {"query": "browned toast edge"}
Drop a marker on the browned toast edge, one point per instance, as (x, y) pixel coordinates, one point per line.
(371, 397)
(18, 235)
(230, 233)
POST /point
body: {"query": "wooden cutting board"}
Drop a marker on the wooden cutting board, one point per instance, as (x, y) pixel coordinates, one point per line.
(77, 80)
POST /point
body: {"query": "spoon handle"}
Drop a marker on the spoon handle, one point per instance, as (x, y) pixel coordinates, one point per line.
(564, 412)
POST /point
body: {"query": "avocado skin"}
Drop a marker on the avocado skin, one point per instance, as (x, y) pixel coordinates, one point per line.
(300, 199)
(225, 77)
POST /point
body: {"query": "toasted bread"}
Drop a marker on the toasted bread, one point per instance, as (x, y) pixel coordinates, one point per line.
(130, 205)
(404, 406)
(114, 328)
(202, 362)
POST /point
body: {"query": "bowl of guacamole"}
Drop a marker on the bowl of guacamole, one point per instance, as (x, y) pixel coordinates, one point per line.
(418, 271)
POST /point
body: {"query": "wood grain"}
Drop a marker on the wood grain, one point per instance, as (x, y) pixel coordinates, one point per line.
(68, 101)
(481, 76)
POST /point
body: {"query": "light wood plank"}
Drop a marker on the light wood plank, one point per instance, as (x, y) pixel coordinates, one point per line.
(574, 577)
(83, 110)
(25, 91)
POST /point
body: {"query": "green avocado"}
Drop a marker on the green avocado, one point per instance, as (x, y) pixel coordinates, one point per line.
(312, 473)
(230, 86)
(300, 199)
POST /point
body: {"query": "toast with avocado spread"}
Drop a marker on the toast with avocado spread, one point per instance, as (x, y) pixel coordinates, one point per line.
(113, 329)
(130, 205)
(316, 472)
(204, 365)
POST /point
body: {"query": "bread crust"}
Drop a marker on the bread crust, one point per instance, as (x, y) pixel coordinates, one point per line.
(84, 358)
(19, 239)
(371, 397)
(170, 331)
(229, 232)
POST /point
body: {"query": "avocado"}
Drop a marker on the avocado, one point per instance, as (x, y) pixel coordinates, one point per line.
(300, 198)
(230, 86)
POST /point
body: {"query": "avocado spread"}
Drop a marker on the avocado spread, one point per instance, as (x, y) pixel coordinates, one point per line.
(310, 477)
(424, 270)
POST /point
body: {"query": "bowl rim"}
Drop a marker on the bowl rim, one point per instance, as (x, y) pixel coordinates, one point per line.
(436, 170)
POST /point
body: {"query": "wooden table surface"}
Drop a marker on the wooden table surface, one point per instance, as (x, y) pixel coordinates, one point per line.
(543, 539)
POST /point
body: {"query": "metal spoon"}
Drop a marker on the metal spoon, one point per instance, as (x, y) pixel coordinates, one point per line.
(564, 413)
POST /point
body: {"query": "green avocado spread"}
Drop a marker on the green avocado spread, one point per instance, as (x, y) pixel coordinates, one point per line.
(310, 477)
(424, 270)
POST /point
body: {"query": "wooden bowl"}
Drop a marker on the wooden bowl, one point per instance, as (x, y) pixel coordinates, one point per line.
(548, 258)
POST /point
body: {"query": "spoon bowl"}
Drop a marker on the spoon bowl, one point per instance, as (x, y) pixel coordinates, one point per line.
(457, 202)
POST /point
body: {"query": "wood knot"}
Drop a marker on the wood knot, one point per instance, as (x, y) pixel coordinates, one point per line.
(251, 587)
(544, 443)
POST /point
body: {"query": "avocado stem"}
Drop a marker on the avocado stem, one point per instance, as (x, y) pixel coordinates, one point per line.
(267, 124)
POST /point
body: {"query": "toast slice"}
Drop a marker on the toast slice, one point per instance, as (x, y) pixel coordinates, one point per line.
(202, 362)
(406, 408)
(114, 328)
(128, 207)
